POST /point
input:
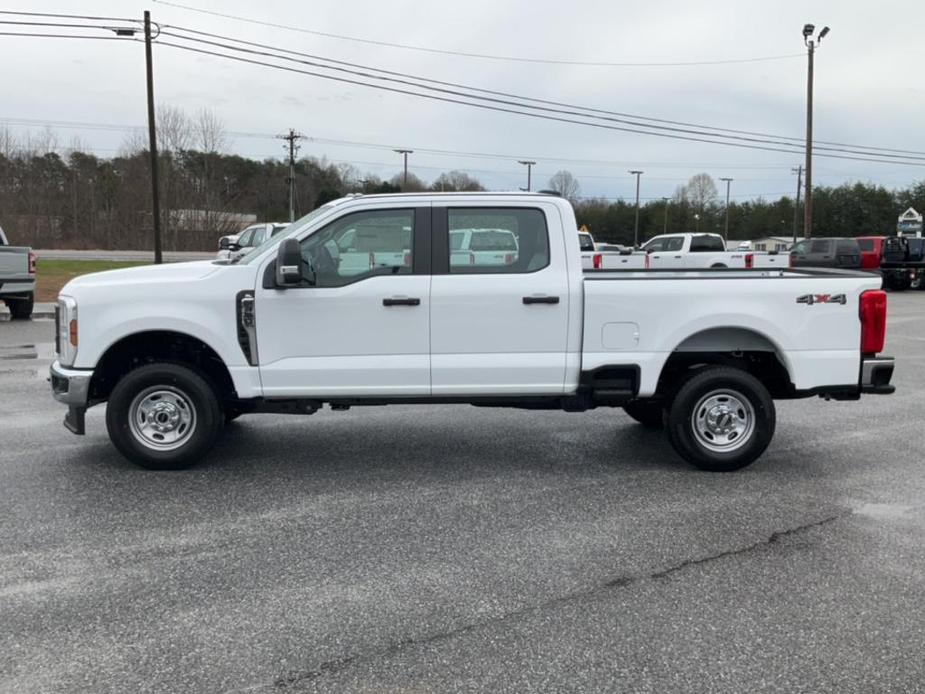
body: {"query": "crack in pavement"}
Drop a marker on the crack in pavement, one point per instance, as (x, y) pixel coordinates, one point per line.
(296, 677)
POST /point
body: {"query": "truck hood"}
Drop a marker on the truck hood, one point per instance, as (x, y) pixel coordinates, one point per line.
(169, 273)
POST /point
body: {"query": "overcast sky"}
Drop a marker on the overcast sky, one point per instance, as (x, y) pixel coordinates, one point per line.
(868, 84)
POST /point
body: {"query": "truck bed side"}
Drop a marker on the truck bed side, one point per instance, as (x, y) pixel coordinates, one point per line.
(638, 318)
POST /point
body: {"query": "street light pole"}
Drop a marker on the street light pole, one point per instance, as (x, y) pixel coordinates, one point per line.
(808, 30)
(665, 228)
(637, 174)
(529, 165)
(404, 180)
(796, 207)
(726, 229)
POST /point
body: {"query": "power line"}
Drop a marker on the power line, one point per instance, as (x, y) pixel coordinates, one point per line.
(68, 36)
(879, 151)
(72, 16)
(570, 109)
(483, 56)
(501, 109)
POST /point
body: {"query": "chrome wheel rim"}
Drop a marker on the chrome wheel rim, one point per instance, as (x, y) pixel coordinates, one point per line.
(162, 418)
(723, 421)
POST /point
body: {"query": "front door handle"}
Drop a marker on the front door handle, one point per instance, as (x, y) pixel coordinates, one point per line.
(401, 301)
(541, 299)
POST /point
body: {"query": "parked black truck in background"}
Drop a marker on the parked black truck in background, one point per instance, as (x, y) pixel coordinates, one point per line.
(903, 263)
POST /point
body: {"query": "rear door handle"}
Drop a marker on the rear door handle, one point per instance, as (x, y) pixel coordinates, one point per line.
(401, 301)
(541, 299)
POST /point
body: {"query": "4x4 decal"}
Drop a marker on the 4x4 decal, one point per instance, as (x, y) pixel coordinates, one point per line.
(811, 299)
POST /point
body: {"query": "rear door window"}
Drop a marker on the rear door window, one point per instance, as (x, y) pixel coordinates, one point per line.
(847, 247)
(866, 244)
(703, 244)
(821, 246)
(497, 240)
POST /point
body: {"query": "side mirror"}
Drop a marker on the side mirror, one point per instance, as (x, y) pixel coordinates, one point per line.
(289, 264)
(223, 243)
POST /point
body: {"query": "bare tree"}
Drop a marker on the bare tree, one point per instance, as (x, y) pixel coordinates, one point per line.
(702, 191)
(174, 130)
(456, 181)
(414, 184)
(565, 184)
(8, 143)
(209, 132)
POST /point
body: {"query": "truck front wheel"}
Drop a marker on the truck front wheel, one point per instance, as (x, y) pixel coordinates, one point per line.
(721, 419)
(163, 416)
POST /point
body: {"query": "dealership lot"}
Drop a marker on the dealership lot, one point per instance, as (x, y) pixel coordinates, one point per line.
(454, 547)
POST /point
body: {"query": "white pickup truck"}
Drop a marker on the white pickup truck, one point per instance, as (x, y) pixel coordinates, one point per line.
(17, 278)
(177, 350)
(699, 251)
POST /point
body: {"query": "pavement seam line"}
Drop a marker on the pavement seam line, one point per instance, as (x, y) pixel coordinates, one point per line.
(328, 667)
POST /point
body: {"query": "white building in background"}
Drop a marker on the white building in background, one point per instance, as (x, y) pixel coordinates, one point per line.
(767, 243)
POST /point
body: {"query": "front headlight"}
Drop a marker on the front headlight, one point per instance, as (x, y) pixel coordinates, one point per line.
(66, 333)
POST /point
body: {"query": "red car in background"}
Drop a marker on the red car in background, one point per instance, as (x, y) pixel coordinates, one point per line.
(871, 251)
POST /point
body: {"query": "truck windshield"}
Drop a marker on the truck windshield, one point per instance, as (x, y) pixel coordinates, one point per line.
(289, 231)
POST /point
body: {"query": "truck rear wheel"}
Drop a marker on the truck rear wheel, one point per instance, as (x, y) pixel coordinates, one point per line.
(649, 413)
(721, 419)
(21, 309)
(163, 416)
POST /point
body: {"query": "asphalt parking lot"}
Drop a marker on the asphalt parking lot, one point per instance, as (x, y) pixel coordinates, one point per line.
(465, 549)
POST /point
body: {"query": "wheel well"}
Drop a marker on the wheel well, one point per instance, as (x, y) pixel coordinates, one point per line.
(159, 345)
(737, 348)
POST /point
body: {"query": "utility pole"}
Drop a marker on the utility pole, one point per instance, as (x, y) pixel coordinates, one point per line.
(665, 227)
(808, 30)
(292, 137)
(796, 208)
(726, 229)
(637, 174)
(152, 145)
(529, 165)
(404, 180)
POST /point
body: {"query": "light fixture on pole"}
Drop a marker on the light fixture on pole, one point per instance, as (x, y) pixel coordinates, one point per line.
(404, 180)
(726, 228)
(808, 31)
(637, 174)
(529, 165)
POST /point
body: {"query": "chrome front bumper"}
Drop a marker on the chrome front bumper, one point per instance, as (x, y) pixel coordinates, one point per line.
(876, 373)
(72, 387)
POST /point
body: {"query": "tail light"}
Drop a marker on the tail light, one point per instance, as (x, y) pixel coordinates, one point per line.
(647, 261)
(508, 258)
(407, 260)
(873, 321)
(72, 332)
(749, 261)
(789, 260)
(598, 261)
(31, 263)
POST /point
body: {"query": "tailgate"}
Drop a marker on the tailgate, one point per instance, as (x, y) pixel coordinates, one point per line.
(14, 262)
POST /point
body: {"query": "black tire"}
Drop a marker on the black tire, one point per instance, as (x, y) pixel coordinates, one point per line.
(742, 422)
(175, 393)
(649, 413)
(21, 309)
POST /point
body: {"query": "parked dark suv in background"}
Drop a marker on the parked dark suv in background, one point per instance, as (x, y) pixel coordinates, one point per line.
(826, 252)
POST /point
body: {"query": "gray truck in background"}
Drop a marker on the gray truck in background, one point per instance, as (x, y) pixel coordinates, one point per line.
(17, 278)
